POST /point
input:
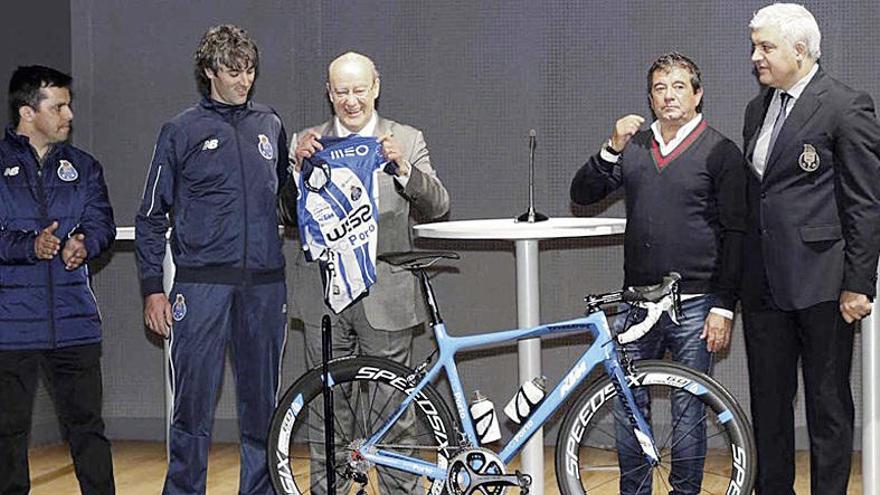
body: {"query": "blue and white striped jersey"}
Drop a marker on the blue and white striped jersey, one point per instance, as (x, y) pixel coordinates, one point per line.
(337, 214)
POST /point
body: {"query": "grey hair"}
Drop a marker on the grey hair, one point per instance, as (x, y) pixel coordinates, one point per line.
(795, 23)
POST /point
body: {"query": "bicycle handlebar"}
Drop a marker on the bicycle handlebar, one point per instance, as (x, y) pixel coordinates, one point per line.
(655, 310)
(655, 298)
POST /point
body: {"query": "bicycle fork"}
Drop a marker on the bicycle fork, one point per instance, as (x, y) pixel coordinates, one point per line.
(640, 427)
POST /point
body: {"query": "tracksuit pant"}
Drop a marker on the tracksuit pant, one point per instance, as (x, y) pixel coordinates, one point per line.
(251, 319)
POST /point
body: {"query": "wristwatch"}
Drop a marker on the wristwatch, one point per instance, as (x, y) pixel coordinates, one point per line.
(610, 149)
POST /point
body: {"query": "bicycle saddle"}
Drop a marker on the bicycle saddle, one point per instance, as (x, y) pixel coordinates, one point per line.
(411, 259)
(652, 293)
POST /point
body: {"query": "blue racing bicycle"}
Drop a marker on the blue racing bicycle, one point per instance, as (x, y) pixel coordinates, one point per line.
(394, 433)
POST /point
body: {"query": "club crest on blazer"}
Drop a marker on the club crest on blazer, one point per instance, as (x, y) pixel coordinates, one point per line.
(809, 159)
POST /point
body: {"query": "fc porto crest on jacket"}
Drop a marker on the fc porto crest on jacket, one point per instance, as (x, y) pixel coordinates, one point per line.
(265, 147)
(66, 171)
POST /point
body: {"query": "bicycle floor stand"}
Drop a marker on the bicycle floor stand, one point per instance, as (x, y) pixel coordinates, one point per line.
(326, 356)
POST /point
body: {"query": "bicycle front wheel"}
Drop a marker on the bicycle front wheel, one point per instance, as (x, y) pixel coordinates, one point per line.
(710, 452)
(366, 392)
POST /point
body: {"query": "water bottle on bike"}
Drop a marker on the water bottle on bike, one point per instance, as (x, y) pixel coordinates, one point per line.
(485, 419)
(526, 399)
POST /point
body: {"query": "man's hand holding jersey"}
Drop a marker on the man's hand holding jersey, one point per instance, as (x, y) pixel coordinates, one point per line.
(392, 151)
(306, 146)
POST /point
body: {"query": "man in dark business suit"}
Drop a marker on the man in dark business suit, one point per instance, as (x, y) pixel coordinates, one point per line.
(811, 247)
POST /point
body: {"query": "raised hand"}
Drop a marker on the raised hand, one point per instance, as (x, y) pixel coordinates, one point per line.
(624, 130)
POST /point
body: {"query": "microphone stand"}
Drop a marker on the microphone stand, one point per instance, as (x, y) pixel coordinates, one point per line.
(531, 216)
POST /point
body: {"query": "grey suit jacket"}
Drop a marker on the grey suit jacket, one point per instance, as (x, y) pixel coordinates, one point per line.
(395, 301)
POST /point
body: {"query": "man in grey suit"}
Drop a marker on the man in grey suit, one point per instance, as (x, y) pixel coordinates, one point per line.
(382, 323)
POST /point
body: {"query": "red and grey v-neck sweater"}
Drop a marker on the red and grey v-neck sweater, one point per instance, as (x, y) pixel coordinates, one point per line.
(685, 211)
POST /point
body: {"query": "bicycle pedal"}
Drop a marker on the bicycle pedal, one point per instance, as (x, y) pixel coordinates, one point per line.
(524, 480)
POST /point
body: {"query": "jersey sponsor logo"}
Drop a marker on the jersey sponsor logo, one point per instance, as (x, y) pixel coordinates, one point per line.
(357, 217)
(11, 171)
(178, 310)
(265, 147)
(210, 144)
(355, 193)
(66, 171)
(351, 151)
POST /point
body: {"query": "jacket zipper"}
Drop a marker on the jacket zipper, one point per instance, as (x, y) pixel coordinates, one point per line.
(234, 121)
(44, 213)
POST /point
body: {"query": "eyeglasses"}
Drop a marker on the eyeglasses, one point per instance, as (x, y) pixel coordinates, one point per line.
(360, 93)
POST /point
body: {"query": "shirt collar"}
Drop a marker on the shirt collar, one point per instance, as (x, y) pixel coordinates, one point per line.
(799, 87)
(368, 130)
(682, 133)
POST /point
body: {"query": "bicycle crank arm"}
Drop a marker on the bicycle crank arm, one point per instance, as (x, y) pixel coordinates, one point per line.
(523, 481)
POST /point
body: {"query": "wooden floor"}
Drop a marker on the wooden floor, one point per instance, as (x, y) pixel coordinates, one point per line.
(140, 470)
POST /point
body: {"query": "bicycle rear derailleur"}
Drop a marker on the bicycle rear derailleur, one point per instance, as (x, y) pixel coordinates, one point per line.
(480, 471)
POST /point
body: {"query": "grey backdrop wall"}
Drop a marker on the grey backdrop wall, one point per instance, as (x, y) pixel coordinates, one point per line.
(475, 76)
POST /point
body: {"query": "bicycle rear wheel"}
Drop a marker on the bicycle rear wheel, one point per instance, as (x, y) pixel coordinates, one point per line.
(366, 392)
(587, 459)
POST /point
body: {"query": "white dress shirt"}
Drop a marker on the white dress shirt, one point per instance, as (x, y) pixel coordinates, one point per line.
(759, 156)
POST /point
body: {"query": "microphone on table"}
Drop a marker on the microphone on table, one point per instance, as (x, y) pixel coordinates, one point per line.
(531, 215)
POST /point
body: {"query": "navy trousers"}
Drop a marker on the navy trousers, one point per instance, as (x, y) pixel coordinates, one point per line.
(209, 317)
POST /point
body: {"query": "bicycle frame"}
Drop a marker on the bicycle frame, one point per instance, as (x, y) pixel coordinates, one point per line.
(602, 350)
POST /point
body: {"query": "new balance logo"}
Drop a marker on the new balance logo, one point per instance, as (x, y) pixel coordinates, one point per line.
(210, 144)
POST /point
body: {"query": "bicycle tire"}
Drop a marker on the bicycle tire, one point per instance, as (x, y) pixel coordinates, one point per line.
(586, 454)
(361, 385)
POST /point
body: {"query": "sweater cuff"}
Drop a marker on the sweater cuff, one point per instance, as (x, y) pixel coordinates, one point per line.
(608, 157)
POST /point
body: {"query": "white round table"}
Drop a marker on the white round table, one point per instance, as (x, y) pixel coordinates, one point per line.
(528, 302)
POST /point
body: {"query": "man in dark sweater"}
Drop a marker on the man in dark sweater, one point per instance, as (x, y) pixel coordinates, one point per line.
(685, 202)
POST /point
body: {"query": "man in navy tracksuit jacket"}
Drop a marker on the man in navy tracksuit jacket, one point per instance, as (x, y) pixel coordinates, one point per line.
(54, 217)
(214, 177)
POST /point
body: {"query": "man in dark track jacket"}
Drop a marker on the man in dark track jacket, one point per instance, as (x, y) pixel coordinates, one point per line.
(214, 177)
(55, 215)
(813, 146)
(685, 186)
